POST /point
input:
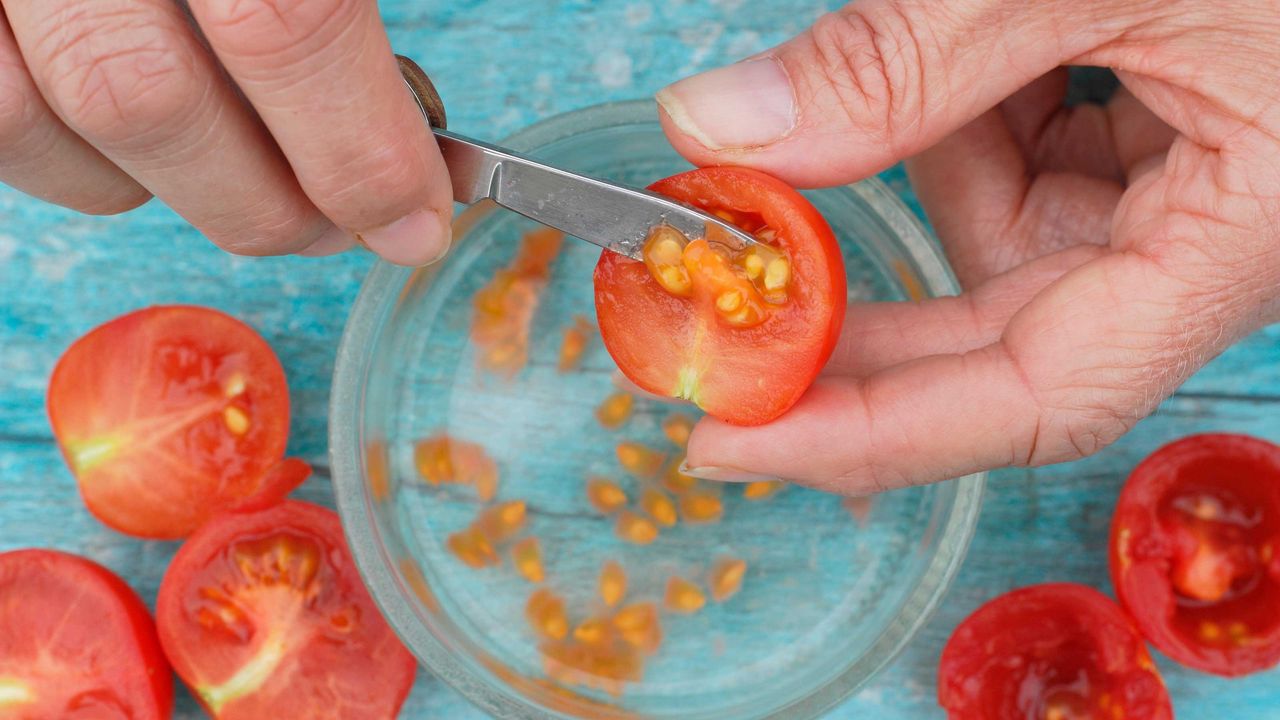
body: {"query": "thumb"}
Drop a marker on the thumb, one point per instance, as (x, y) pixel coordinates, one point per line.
(876, 82)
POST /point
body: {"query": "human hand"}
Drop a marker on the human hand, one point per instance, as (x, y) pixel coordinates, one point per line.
(105, 102)
(1106, 252)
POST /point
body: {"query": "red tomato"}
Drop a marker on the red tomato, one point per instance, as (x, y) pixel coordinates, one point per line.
(1057, 651)
(169, 415)
(76, 643)
(674, 340)
(264, 616)
(1195, 552)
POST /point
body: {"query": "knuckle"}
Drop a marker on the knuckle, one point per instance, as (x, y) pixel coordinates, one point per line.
(19, 110)
(266, 28)
(118, 78)
(369, 189)
(874, 63)
(272, 226)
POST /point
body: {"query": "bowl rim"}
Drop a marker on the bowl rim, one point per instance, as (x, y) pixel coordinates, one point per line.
(377, 568)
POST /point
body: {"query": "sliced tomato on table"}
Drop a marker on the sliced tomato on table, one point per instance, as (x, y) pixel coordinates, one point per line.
(1057, 651)
(264, 616)
(169, 415)
(1195, 552)
(76, 643)
(741, 334)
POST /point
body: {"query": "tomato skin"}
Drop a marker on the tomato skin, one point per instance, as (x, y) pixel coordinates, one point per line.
(106, 661)
(1028, 649)
(677, 347)
(1149, 537)
(264, 615)
(168, 415)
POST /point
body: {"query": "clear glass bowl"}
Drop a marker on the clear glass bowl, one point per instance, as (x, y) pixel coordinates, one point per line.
(833, 590)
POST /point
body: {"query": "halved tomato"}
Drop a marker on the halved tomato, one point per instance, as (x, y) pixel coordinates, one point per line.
(264, 616)
(1195, 552)
(169, 415)
(76, 643)
(744, 334)
(1057, 651)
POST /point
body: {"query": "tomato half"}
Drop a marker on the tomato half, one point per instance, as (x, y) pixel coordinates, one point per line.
(169, 415)
(1058, 651)
(76, 643)
(264, 616)
(716, 333)
(1195, 552)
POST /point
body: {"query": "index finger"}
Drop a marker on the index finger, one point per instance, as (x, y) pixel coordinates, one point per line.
(322, 76)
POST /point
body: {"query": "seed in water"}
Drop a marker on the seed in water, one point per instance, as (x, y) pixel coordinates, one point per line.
(639, 460)
(683, 596)
(501, 522)
(615, 410)
(545, 613)
(605, 495)
(613, 583)
(639, 626)
(441, 459)
(472, 548)
(761, 489)
(574, 345)
(676, 481)
(526, 555)
(592, 630)
(700, 507)
(726, 578)
(658, 506)
(236, 420)
(677, 427)
(635, 528)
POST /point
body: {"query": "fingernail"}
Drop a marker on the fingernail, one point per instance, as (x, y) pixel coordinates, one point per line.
(333, 241)
(418, 239)
(744, 105)
(723, 474)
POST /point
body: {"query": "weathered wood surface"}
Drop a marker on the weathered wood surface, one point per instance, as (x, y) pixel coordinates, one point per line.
(501, 64)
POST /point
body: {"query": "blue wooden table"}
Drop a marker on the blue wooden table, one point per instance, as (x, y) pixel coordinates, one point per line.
(502, 64)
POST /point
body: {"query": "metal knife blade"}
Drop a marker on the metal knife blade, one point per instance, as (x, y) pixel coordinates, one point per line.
(615, 217)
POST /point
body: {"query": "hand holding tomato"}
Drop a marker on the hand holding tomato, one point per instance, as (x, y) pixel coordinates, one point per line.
(1107, 252)
(272, 127)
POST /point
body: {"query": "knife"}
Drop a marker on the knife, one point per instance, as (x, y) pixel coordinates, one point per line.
(615, 217)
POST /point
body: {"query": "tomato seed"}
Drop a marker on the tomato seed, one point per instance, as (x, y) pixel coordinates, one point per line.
(236, 420)
(677, 427)
(526, 555)
(235, 386)
(615, 410)
(613, 583)
(605, 495)
(639, 626)
(761, 489)
(700, 507)
(658, 506)
(592, 630)
(726, 578)
(545, 613)
(683, 596)
(500, 522)
(640, 460)
(635, 528)
(472, 548)
(574, 345)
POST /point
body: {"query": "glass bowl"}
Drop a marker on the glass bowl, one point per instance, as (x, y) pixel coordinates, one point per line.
(833, 588)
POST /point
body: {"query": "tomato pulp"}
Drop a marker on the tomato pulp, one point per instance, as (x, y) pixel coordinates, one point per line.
(1057, 651)
(264, 616)
(1195, 552)
(742, 335)
(76, 643)
(169, 415)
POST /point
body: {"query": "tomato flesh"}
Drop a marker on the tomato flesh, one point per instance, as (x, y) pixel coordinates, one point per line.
(1057, 651)
(706, 326)
(169, 415)
(1193, 552)
(264, 615)
(76, 643)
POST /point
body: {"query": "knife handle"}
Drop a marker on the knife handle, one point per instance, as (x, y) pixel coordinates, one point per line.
(423, 91)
